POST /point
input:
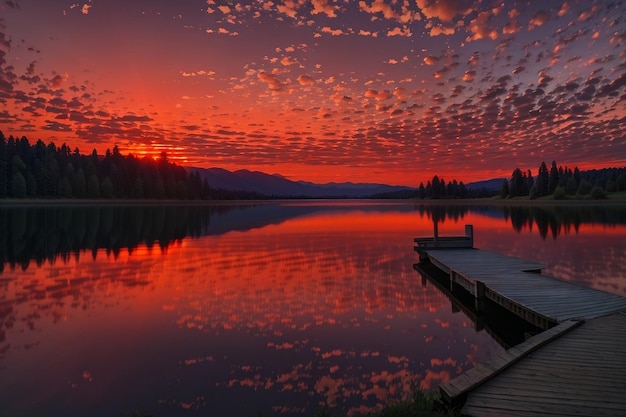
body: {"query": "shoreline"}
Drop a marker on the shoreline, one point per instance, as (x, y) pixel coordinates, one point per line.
(439, 202)
(199, 203)
(536, 202)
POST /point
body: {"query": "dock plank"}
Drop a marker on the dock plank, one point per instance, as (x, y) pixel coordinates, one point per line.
(579, 373)
(542, 299)
(455, 390)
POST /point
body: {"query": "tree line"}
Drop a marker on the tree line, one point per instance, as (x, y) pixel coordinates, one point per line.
(438, 188)
(558, 181)
(47, 171)
(562, 182)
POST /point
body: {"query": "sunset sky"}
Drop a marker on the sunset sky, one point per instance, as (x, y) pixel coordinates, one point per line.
(389, 91)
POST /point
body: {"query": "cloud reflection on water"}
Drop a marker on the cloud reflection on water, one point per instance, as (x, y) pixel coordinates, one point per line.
(291, 314)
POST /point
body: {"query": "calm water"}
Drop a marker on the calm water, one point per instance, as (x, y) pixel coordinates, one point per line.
(278, 309)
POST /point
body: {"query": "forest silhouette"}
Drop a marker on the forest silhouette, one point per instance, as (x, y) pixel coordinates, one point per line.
(48, 171)
(40, 171)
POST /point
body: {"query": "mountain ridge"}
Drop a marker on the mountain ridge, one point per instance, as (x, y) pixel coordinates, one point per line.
(276, 185)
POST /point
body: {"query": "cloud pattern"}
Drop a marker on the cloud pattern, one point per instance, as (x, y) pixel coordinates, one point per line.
(323, 90)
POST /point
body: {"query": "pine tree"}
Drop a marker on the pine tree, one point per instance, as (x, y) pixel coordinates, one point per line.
(3, 167)
(530, 182)
(518, 185)
(93, 186)
(18, 187)
(106, 188)
(553, 178)
(436, 188)
(504, 190)
(571, 187)
(543, 179)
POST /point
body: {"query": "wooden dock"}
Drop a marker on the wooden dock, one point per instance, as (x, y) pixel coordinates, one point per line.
(518, 286)
(574, 369)
(576, 366)
(503, 326)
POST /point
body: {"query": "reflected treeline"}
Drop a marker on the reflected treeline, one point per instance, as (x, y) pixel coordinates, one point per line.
(555, 220)
(440, 214)
(547, 220)
(42, 234)
(503, 326)
(49, 233)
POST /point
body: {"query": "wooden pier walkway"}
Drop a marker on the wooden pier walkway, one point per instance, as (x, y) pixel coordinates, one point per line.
(574, 369)
(576, 366)
(518, 286)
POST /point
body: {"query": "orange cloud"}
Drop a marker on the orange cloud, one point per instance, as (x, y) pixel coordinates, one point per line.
(430, 60)
(305, 80)
(480, 28)
(333, 32)
(289, 8)
(379, 6)
(322, 6)
(442, 30)
(400, 31)
(539, 19)
(444, 10)
(271, 80)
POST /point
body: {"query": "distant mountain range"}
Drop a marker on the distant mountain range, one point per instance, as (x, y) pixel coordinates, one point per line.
(494, 184)
(278, 186)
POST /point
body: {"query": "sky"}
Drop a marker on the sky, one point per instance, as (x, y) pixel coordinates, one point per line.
(388, 91)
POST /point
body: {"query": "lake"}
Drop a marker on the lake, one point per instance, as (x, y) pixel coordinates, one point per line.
(279, 308)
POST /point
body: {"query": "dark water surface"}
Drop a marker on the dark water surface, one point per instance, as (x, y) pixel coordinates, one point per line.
(273, 309)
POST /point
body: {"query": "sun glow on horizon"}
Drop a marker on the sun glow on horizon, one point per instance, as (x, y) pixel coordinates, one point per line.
(385, 92)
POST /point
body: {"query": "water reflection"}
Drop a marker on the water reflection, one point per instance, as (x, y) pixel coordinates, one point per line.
(44, 233)
(318, 311)
(504, 327)
(273, 309)
(40, 234)
(557, 220)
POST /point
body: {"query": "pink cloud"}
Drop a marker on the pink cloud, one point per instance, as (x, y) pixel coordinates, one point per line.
(305, 80)
(289, 8)
(322, 6)
(431, 60)
(379, 6)
(444, 10)
(442, 30)
(480, 28)
(271, 80)
(539, 19)
(400, 31)
(333, 32)
(469, 76)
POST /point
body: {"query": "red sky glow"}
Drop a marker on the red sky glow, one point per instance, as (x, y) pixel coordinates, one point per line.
(390, 91)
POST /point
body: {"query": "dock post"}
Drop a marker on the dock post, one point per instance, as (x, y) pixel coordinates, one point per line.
(469, 232)
(479, 301)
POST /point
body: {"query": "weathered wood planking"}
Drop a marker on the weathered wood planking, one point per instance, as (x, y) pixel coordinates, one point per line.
(579, 373)
(455, 391)
(574, 368)
(540, 299)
